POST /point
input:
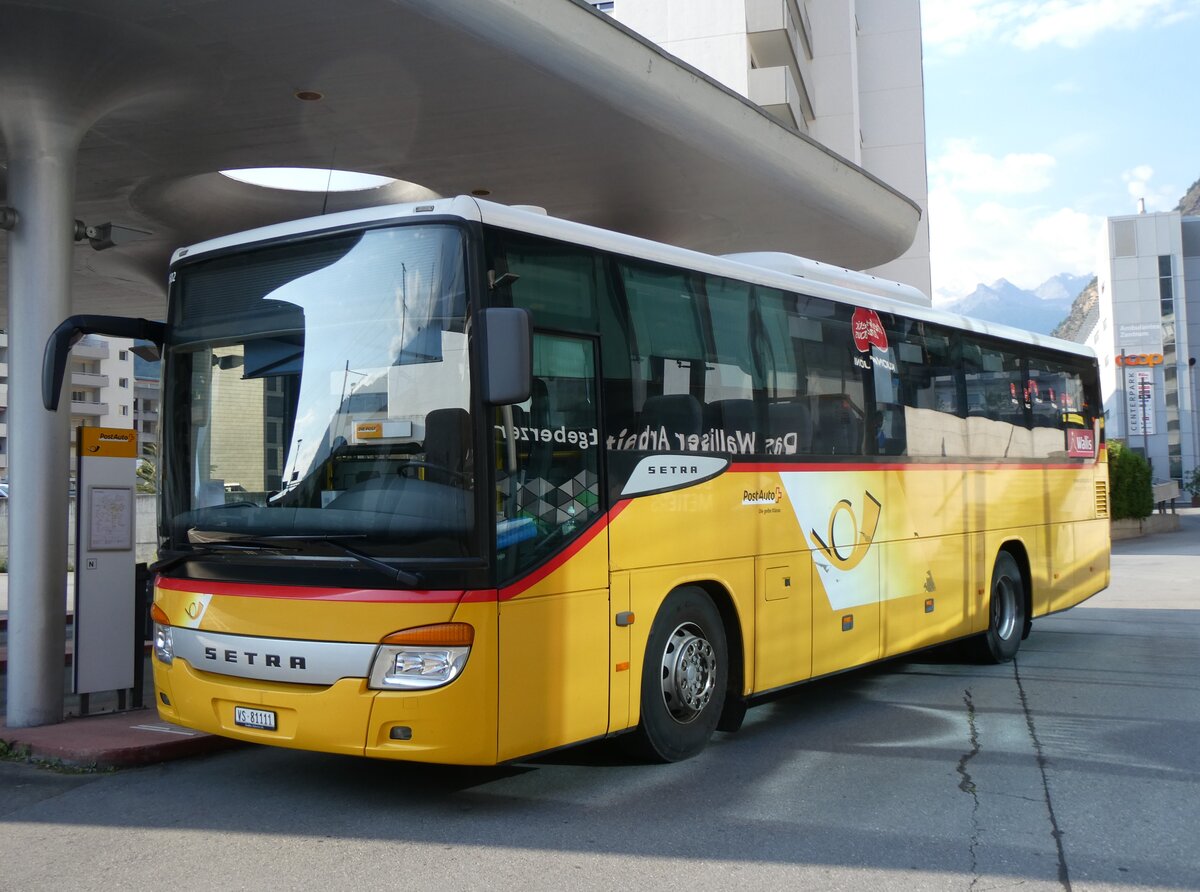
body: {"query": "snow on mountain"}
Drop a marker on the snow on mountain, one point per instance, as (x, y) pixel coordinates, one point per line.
(1039, 310)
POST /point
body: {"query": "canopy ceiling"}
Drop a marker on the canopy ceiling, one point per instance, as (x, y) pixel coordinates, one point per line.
(543, 102)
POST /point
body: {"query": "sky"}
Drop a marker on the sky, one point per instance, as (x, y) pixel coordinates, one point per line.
(1044, 117)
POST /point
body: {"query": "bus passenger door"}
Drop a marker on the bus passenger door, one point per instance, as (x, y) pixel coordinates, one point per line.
(552, 547)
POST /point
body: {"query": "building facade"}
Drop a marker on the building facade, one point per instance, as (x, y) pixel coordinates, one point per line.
(847, 73)
(1147, 336)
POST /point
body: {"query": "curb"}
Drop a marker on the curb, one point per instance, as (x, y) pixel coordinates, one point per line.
(117, 740)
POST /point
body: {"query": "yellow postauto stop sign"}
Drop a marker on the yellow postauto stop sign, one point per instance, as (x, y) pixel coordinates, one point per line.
(108, 442)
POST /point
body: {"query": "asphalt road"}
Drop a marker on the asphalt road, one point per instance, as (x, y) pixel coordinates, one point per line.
(1076, 767)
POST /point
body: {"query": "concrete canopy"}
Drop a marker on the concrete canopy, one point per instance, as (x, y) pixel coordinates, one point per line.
(539, 102)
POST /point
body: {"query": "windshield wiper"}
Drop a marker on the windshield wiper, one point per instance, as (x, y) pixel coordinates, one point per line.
(218, 546)
(391, 572)
(217, 541)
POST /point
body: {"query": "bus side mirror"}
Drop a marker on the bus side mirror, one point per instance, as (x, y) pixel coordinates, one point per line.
(508, 355)
(58, 347)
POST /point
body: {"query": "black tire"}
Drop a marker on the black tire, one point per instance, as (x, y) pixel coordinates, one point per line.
(1006, 613)
(684, 678)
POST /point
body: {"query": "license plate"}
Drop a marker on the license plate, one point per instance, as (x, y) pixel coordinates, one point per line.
(254, 718)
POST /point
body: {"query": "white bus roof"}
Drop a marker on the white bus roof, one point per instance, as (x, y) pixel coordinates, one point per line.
(771, 269)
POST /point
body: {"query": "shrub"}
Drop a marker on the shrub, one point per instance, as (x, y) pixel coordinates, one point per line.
(1128, 482)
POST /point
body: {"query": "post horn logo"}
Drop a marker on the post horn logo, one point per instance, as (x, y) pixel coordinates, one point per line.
(847, 556)
(867, 330)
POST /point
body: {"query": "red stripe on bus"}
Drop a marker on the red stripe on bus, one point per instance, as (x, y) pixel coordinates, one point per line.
(511, 591)
(307, 593)
(813, 467)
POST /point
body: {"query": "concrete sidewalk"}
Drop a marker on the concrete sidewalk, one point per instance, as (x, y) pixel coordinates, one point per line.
(103, 741)
(116, 740)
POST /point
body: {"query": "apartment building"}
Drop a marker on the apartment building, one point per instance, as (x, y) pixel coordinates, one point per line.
(100, 383)
(847, 73)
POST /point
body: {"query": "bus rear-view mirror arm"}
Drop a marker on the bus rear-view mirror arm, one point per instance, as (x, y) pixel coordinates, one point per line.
(63, 338)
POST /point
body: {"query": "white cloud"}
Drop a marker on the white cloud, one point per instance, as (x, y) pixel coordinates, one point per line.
(1158, 198)
(964, 169)
(951, 26)
(973, 244)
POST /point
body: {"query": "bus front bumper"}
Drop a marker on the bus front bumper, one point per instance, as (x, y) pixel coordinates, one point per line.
(454, 724)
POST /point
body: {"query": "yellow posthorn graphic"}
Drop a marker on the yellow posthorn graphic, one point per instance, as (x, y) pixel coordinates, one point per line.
(871, 511)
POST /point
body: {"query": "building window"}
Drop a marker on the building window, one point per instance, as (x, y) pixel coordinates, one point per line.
(123, 382)
(123, 355)
(124, 410)
(1166, 293)
(1124, 238)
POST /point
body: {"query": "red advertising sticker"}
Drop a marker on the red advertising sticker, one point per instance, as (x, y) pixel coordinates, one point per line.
(1081, 443)
(867, 329)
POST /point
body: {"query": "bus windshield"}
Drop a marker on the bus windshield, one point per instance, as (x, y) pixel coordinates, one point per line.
(320, 390)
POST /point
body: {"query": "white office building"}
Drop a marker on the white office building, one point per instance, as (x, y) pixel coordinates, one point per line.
(846, 73)
(1147, 334)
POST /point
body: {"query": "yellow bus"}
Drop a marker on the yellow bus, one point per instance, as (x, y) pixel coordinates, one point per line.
(458, 482)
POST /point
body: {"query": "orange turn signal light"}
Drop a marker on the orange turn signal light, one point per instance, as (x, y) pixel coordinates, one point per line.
(439, 635)
(159, 615)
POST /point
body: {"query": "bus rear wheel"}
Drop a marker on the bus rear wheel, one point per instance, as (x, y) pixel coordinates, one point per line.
(1006, 612)
(684, 677)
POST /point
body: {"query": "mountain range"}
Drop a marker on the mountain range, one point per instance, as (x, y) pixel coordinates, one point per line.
(1040, 309)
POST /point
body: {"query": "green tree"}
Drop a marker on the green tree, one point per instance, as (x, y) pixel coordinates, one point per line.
(147, 473)
(1129, 482)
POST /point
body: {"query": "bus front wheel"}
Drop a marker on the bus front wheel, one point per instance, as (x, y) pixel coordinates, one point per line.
(683, 678)
(1006, 612)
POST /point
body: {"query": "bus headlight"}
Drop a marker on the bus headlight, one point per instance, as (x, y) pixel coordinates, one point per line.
(421, 658)
(164, 644)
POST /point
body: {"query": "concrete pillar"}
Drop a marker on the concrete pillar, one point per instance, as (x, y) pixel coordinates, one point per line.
(41, 182)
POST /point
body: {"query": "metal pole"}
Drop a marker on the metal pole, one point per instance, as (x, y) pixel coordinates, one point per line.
(41, 175)
(1195, 415)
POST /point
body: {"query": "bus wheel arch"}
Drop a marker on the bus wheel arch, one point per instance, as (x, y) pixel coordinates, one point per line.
(1009, 604)
(685, 676)
(733, 710)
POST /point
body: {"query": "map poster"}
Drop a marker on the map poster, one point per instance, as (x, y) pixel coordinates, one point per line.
(110, 518)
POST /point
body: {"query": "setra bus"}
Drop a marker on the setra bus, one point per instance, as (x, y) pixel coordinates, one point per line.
(459, 482)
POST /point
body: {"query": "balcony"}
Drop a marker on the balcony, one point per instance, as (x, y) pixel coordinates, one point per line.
(88, 379)
(90, 348)
(775, 90)
(775, 31)
(89, 410)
